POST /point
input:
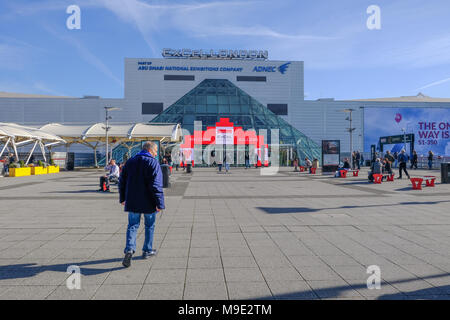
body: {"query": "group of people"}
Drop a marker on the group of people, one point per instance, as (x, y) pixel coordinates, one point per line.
(400, 160)
(7, 160)
(357, 160)
(308, 164)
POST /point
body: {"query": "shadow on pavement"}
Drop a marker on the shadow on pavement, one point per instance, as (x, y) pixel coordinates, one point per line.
(275, 210)
(27, 270)
(439, 292)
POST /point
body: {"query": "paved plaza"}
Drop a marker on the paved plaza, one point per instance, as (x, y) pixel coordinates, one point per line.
(228, 236)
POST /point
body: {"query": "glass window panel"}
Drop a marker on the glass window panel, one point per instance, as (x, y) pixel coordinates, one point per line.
(211, 99)
(234, 100)
(188, 119)
(245, 109)
(223, 99)
(200, 108)
(212, 108)
(200, 99)
(223, 108)
(189, 109)
(235, 108)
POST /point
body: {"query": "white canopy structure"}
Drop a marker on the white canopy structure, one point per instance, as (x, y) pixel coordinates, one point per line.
(116, 133)
(90, 135)
(14, 135)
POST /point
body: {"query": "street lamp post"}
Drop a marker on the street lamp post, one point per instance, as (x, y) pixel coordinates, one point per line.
(107, 118)
(351, 129)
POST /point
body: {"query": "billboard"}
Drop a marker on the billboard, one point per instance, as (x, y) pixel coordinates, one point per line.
(430, 126)
(331, 152)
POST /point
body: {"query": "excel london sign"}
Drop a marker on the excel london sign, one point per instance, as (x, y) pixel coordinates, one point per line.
(213, 54)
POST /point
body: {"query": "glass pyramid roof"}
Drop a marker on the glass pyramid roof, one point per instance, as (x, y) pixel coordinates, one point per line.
(213, 99)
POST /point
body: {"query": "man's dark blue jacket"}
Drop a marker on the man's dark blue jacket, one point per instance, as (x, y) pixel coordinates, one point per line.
(141, 184)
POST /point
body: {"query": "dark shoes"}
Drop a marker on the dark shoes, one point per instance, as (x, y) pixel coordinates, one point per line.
(127, 259)
(146, 255)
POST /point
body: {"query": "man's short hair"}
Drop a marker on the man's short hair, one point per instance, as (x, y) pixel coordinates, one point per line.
(150, 145)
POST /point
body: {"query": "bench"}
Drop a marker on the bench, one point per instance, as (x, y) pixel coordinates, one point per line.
(378, 178)
(313, 170)
(343, 173)
(354, 172)
(417, 182)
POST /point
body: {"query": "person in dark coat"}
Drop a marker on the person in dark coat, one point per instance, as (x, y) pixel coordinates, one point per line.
(141, 192)
(414, 160)
(402, 159)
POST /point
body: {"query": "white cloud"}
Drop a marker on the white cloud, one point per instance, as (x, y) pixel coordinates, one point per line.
(436, 83)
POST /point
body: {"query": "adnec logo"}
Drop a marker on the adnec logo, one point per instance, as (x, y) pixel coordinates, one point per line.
(282, 69)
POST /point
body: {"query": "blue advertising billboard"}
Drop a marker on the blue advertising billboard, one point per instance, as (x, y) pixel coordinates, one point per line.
(431, 127)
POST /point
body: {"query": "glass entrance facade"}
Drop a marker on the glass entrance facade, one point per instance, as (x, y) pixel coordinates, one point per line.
(213, 99)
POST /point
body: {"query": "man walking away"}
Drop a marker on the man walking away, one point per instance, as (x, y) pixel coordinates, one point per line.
(430, 159)
(402, 159)
(141, 192)
(414, 160)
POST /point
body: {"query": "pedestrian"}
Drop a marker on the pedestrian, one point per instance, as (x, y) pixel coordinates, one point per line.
(6, 165)
(213, 159)
(402, 160)
(220, 163)
(414, 160)
(389, 157)
(225, 163)
(296, 164)
(141, 192)
(362, 159)
(430, 159)
(358, 160)
(247, 160)
(354, 165)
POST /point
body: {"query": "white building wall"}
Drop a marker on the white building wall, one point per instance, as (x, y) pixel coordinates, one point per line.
(150, 86)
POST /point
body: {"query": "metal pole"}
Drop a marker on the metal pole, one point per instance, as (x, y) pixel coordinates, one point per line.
(404, 139)
(107, 145)
(351, 134)
(31, 152)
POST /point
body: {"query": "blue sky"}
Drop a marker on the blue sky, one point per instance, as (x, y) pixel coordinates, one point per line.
(343, 59)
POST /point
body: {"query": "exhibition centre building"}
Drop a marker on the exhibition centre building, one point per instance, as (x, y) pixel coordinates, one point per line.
(252, 92)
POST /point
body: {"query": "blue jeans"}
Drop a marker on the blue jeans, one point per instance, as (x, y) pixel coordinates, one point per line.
(134, 220)
(430, 164)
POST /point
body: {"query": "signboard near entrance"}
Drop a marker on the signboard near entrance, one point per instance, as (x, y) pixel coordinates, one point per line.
(224, 135)
(331, 153)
